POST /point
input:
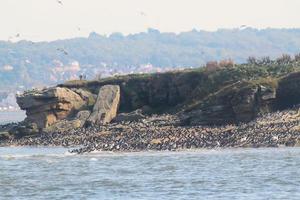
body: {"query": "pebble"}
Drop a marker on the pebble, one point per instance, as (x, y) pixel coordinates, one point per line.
(163, 132)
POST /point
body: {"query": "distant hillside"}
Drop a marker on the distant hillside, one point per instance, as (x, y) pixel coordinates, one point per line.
(26, 64)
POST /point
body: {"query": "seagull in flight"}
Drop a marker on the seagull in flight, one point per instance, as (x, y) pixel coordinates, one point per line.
(243, 26)
(63, 51)
(60, 2)
(143, 14)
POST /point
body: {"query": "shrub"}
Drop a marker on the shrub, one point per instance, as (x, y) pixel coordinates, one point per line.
(251, 60)
(284, 59)
(265, 60)
(212, 65)
(297, 57)
(226, 63)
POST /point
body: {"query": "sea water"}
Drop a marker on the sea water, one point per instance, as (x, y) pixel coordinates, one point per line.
(53, 173)
(11, 116)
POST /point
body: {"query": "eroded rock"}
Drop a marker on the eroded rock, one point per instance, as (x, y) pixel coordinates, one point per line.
(83, 115)
(106, 106)
(65, 125)
(69, 124)
(45, 107)
(129, 117)
(239, 102)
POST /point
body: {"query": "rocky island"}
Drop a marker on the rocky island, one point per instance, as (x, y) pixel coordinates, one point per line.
(247, 105)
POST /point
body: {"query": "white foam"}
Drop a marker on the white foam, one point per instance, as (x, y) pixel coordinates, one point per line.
(93, 159)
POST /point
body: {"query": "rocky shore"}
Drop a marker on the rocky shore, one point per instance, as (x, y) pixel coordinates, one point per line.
(241, 106)
(164, 132)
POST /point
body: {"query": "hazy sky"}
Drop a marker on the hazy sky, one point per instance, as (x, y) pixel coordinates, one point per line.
(48, 20)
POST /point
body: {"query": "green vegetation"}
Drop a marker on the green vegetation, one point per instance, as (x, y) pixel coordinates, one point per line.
(190, 87)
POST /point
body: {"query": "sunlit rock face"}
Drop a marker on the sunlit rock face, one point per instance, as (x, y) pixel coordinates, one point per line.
(106, 106)
(45, 107)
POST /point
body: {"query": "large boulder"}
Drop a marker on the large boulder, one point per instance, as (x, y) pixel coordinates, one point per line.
(106, 106)
(69, 124)
(45, 107)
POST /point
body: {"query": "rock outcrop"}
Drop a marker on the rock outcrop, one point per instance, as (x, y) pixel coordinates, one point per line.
(198, 97)
(45, 107)
(129, 117)
(288, 92)
(106, 106)
(69, 124)
(239, 102)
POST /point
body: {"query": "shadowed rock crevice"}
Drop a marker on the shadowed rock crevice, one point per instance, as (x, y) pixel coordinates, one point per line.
(288, 92)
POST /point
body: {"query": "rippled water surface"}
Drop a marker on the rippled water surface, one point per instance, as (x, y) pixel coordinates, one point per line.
(51, 173)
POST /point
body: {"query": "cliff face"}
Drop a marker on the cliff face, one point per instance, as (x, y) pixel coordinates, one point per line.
(288, 93)
(239, 102)
(165, 91)
(158, 91)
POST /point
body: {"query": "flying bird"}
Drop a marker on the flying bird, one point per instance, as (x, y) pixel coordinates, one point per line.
(60, 2)
(243, 26)
(62, 50)
(143, 14)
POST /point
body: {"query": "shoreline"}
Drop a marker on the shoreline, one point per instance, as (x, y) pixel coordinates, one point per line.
(229, 106)
(162, 132)
(154, 152)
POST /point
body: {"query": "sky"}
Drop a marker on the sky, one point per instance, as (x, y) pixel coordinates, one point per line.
(46, 20)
